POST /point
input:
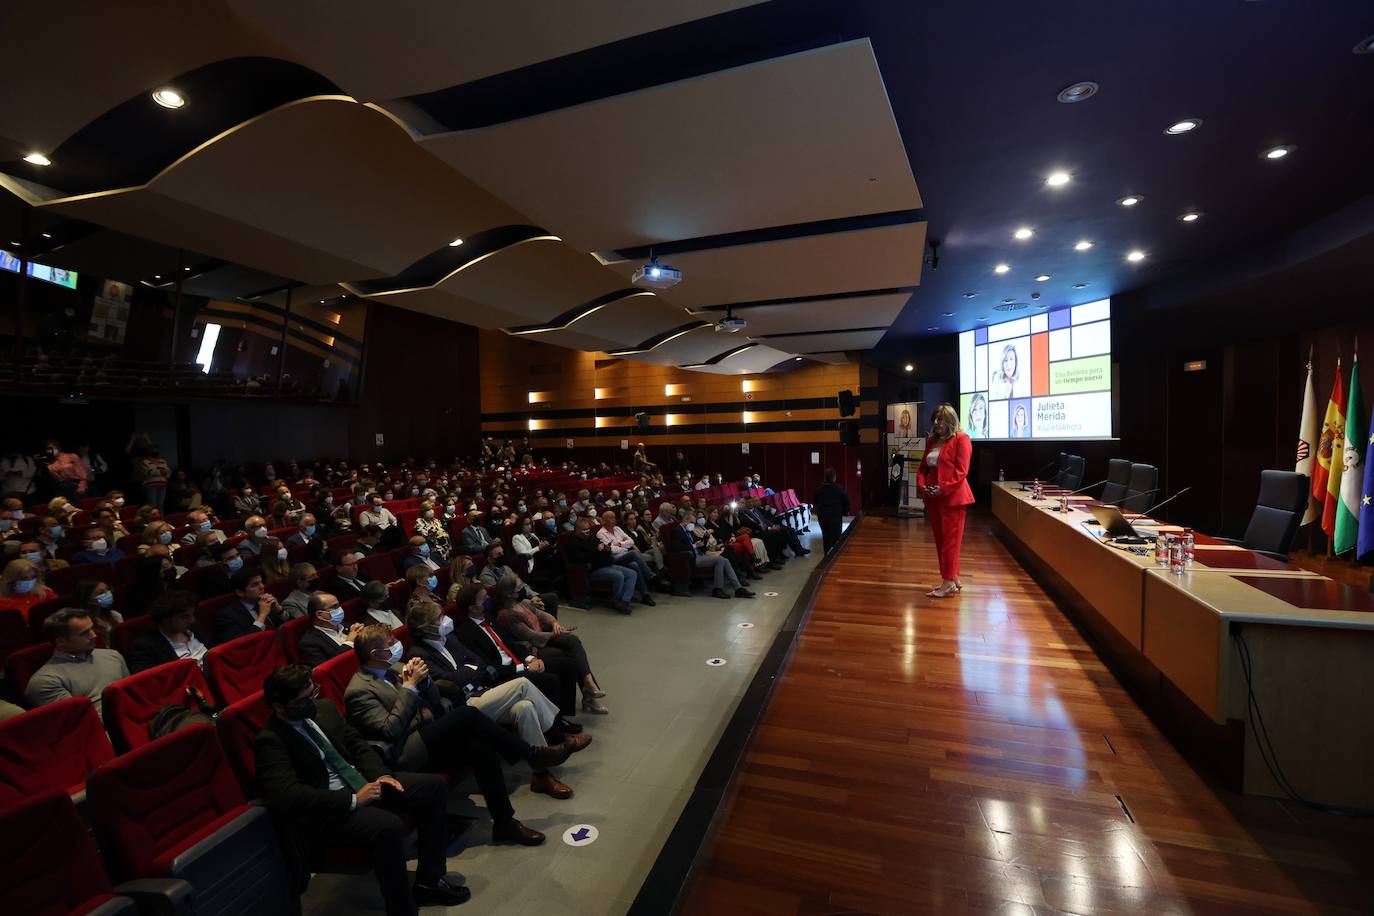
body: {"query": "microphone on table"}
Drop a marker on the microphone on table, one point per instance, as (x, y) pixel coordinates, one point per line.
(1044, 467)
(1076, 492)
(1167, 501)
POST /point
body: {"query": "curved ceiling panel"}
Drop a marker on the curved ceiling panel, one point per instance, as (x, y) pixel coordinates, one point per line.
(537, 281)
(444, 43)
(650, 166)
(829, 343)
(443, 304)
(821, 315)
(632, 320)
(758, 358)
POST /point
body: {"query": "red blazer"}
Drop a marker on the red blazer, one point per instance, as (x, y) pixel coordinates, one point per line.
(950, 472)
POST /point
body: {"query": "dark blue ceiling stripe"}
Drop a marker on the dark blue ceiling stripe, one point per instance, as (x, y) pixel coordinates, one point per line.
(798, 300)
(881, 327)
(131, 143)
(434, 267)
(692, 49)
(560, 322)
(720, 357)
(770, 234)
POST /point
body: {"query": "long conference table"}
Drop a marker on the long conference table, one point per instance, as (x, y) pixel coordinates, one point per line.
(1182, 642)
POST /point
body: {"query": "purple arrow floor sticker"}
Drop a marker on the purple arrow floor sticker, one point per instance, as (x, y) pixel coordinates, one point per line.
(580, 835)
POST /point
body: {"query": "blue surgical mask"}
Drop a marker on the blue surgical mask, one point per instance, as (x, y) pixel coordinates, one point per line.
(33, 557)
(424, 550)
(445, 626)
(234, 565)
(205, 525)
(396, 650)
(551, 523)
(415, 491)
(165, 537)
(336, 616)
(104, 599)
(309, 530)
(56, 531)
(562, 504)
(432, 582)
(23, 586)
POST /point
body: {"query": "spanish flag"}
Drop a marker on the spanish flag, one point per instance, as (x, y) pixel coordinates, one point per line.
(1326, 481)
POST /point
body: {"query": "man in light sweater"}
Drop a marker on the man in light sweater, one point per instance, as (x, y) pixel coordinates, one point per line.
(77, 668)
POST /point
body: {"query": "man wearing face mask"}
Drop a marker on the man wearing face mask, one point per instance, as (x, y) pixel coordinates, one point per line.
(419, 555)
(398, 709)
(326, 785)
(497, 569)
(197, 523)
(255, 527)
(585, 550)
(49, 536)
(307, 534)
(253, 610)
(624, 553)
(216, 579)
(475, 535)
(77, 668)
(378, 514)
(246, 503)
(305, 581)
(96, 549)
(174, 635)
(329, 637)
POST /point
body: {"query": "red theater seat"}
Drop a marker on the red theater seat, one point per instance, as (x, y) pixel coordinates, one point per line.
(207, 610)
(333, 676)
(130, 704)
(291, 633)
(681, 570)
(15, 635)
(380, 566)
(238, 725)
(21, 665)
(57, 870)
(51, 749)
(173, 809)
(63, 581)
(237, 668)
(125, 634)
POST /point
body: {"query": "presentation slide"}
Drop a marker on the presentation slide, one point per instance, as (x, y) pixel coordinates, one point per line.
(1044, 376)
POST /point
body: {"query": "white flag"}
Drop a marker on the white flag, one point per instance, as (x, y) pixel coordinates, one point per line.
(1307, 439)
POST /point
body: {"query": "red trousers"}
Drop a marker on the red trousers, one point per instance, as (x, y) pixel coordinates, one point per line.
(948, 524)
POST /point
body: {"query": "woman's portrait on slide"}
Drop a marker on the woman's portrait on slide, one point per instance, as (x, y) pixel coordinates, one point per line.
(904, 429)
(1010, 375)
(977, 417)
(1020, 419)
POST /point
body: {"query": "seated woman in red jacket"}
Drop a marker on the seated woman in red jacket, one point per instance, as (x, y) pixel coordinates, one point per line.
(943, 479)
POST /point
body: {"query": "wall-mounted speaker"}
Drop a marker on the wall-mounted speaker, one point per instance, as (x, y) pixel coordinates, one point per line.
(642, 420)
(847, 404)
(849, 432)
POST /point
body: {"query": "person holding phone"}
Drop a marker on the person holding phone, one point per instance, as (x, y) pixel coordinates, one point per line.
(943, 479)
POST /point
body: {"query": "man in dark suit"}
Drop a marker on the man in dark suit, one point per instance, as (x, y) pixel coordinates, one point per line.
(769, 526)
(325, 785)
(399, 711)
(419, 555)
(556, 677)
(173, 636)
(347, 583)
(475, 536)
(253, 609)
(327, 638)
(214, 580)
(831, 504)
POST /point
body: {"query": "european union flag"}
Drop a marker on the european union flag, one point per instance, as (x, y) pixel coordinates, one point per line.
(1365, 544)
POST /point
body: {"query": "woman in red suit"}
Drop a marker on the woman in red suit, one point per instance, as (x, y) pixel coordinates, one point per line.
(943, 479)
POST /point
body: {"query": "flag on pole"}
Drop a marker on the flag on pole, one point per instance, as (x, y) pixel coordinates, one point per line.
(1326, 481)
(1307, 438)
(1352, 474)
(1365, 543)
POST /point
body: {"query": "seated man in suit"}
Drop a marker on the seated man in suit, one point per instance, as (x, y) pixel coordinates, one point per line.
(306, 533)
(328, 637)
(419, 555)
(584, 550)
(762, 518)
(369, 540)
(215, 580)
(497, 569)
(304, 582)
(398, 709)
(475, 536)
(95, 548)
(254, 608)
(722, 572)
(173, 635)
(556, 676)
(325, 785)
(462, 678)
(347, 583)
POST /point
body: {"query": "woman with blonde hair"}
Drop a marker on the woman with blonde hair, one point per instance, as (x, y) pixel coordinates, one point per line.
(459, 574)
(433, 530)
(422, 581)
(943, 479)
(272, 560)
(156, 533)
(21, 586)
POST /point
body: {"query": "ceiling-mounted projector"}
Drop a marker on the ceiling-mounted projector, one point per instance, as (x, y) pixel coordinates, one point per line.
(731, 325)
(657, 276)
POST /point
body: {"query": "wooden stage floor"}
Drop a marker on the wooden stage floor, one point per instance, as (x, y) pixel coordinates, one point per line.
(973, 755)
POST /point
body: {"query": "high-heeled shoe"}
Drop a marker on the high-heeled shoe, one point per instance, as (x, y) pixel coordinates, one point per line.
(941, 592)
(595, 693)
(592, 706)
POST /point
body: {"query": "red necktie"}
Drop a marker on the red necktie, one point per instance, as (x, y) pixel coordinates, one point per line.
(515, 659)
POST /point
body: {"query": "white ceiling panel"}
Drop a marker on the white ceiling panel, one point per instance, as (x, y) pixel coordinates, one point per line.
(755, 359)
(630, 321)
(443, 304)
(823, 315)
(443, 43)
(827, 343)
(538, 279)
(833, 359)
(813, 265)
(811, 136)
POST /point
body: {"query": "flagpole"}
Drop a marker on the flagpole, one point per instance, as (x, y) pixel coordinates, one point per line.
(1311, 353)
(1330, 539)
(1354, 360)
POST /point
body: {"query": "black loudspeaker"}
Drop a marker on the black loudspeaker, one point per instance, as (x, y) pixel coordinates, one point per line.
(847, 403)
(849, 432)
(642, 420)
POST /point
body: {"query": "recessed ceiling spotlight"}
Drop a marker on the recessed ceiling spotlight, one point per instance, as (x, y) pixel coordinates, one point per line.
(1008, 301)
(932, 328)
(1078, 92)
(969, 295)
(1079, 285)
(1130, 200)
(1023, 233)
(909, 367)
(168, 97)
(1184, 126)
(1058, 179)
(455, 243)
(1042, 278)
(946, 314)
(1001, 268)
(1082, 245)
(1191, 216)
(1365, 46)
(982, 317)
(1277, 152)
(157, 276)
(47, 235)
(37, 159)
(14, 244)
(1136, 256)
(796, 359)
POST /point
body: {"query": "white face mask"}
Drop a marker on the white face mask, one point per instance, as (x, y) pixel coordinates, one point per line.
(119, 502)
(259, 533)
(445, 626)
(281, 553)
(99, 545)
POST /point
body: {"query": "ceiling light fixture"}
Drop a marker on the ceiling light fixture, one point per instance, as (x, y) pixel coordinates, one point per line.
(47, 235)
(455, 243)
(1058, 179)
(1365, 46)
(1023, 233)
(1136, 256)
(796, 359)
(1184, 126)
(1130, 200)
(909, 367)
(969, 295)
(982, 317)
(1191, 216)
(37, 159)
(14, 244)
(168, 97)
(1078, 92)
(1008, 301)
(932, 328)
(1082, 245)
(1079, 285)
(1042, 278)
(1001, 268)
(1277, 152)
(946, 314)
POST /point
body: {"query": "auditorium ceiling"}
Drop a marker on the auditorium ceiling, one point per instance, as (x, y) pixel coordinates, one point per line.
(770, 151)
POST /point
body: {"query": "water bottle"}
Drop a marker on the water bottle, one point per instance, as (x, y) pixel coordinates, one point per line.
(1176, 556)
(1161, 550)
(1063, 504)
(1188, 546)
(1001, 475)
(1035, 488)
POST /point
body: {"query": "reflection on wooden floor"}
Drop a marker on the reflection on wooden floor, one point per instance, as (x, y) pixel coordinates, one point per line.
(973, 755)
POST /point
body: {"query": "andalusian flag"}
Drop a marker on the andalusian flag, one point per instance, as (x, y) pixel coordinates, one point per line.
(1366, 540)
(1326, 482)
(1307, 439)
(1352, 476)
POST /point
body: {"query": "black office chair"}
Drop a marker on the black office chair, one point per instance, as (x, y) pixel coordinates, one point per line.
(1071, 477)
(1141, 489)
(1278, 512)
(1060, 467)
(1118, 476)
